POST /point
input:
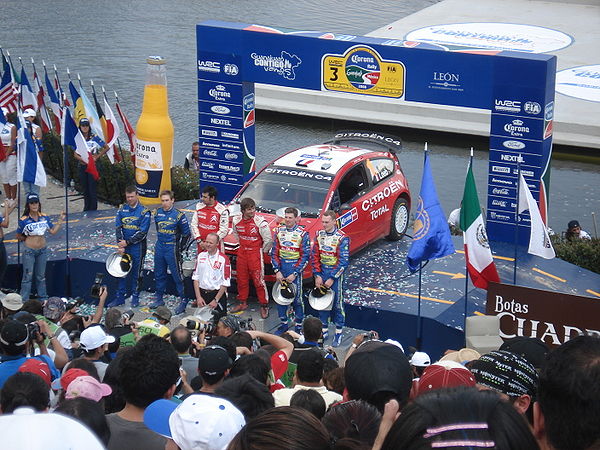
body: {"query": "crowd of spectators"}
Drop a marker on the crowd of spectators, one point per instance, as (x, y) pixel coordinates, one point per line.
(107, 384)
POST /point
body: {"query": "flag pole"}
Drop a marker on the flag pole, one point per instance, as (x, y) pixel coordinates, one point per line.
(66, 184)
(517, 219)
(467, 267)
(39, 86)
(419, 319)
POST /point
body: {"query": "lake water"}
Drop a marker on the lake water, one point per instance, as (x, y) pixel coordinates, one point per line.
(108, 41)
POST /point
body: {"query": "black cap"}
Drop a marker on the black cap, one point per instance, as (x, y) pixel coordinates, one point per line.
(33, 198)
(14, 333)
(213, 359)
(377, 367)
(572, 224)
(534, 350)
(84, 121)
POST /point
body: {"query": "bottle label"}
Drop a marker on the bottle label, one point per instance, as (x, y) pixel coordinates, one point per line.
(148, 167)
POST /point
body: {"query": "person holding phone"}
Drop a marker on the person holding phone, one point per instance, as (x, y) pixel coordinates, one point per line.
(32, 229)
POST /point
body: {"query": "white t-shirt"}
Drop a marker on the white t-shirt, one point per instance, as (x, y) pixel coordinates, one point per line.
(212, 271)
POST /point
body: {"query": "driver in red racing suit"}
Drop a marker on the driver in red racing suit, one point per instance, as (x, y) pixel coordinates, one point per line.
(255, 238)
(210, 217)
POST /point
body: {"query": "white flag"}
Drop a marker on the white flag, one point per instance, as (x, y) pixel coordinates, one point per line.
(539, 241)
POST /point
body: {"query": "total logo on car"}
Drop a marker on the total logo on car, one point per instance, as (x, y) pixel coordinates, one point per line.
(357, 175)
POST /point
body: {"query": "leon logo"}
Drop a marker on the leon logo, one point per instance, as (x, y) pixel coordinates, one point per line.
(283, 65)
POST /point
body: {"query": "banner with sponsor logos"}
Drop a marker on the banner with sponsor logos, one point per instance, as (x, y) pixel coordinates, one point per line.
(518, 89)
(553, 317)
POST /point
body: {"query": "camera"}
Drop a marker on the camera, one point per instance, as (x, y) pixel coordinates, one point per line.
(207, 327)
(95, 289)
(33, 328)
(371, 335)
(127, 315)
(247, 324)
(71, 303)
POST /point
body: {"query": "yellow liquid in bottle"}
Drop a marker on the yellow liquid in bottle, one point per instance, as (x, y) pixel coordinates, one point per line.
(154, 146)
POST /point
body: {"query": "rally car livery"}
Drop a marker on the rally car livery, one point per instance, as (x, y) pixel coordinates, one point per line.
(357, 174)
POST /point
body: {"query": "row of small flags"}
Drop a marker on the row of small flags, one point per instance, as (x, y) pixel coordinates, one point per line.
(431, 234)
(17, 95)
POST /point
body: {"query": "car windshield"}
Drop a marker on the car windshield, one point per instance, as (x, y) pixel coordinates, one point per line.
(277, 187)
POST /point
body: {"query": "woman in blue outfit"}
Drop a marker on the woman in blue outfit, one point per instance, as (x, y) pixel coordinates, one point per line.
(31, 230)
(97, 147)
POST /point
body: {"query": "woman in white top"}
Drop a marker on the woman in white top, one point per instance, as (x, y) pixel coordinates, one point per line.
(32, 229)
(8, 160)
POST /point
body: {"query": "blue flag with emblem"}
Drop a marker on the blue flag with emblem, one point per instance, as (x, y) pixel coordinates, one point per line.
(431, 234)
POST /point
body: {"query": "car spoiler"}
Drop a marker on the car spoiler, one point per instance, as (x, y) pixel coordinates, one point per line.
(390, 142)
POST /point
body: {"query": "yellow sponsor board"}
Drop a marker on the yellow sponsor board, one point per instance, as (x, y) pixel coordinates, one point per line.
(360, 70)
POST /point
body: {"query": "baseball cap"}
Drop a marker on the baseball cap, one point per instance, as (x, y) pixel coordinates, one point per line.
(444, 374)
(52, 431)
(14, 333)
(376, 367)
(532, 349)
(462, 356)
(33, 198)
(38, 367)
(506, 372)
(94, 337)
(67, 377)
(420, 359)
(12, 301)
(573, 224)
(29, 113)
(199, 422)
(87, 387)
(84, 121)
(162, 312)
(54, 308)
(213, 360)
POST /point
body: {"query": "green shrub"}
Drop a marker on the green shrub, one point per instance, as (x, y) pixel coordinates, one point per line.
(581, 252)
(114, 178)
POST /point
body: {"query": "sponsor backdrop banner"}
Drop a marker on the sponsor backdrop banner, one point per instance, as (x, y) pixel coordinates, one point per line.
(553, 317)
(518, 89)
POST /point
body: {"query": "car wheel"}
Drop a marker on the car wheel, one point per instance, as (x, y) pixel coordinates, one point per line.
(399, 221)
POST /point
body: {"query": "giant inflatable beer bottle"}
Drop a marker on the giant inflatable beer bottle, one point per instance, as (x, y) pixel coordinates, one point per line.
(154, 131)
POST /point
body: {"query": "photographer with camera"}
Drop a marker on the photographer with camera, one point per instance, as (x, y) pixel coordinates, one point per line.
(17, 341)
(120, 325)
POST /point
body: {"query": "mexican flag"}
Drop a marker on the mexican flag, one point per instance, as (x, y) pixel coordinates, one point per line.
(480, 263)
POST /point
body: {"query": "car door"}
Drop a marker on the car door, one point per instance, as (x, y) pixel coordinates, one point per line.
(378, 203)
(346, 202)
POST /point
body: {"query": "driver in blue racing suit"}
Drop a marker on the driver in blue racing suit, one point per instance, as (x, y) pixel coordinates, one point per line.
(330, 255)
(173, 232)
(289, 256)
(132, 223)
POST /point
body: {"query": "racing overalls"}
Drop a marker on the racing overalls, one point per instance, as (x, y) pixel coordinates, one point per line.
(173, 232)
(330, 255)
(255, 238)
(132, 225)
(290, 253)
(210, 219)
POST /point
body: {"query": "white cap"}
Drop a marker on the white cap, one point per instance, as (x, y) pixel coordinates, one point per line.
(52, 431)
(29, 113)
(94, 337)
(199, 422)
(420, 359)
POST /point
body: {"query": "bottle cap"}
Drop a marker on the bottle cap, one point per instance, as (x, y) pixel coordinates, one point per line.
(156, 60)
